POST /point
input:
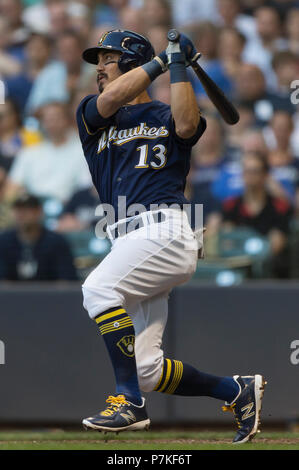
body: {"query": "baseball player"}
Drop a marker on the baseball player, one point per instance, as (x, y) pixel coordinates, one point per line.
(138, 151)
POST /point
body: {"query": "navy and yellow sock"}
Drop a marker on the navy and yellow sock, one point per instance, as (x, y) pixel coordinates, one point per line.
(171, 376)
(178, 378)
(117, 330)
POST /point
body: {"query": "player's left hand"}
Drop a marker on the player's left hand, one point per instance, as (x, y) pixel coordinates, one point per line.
(163, 57)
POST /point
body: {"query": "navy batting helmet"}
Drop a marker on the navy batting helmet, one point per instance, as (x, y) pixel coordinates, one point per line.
(135, 49)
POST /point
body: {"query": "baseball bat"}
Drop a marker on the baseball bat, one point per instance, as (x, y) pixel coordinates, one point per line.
(216, 95)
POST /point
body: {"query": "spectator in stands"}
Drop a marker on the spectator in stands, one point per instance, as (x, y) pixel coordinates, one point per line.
(284, 166)
(49, 85)
(156, 12)
(286, 67)
(292, 30)
(81, 19)
(188, 13)
(10, 135)
(229, 181)
(12, 10)
(55, 16)
(30, 252)
(9, 65)
(56, 167)
(36, 16)
(251, 89)
(235, 135)
(284, 169)
(283, 6)
(258, 210)
(231, 15)
(69, 49)
(208, 159)
(79, 212)
(107, 13)
(13, 136)
(248, 6)
(157, 35)
(59, 17)
(254, 142)
(269, 28)
(281, 128)
(132, 19)
(206, 39)
(6, 218)
(38, 55)
(231, 45)
(44, 66)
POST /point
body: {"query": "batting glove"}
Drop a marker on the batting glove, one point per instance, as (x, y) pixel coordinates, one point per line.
(182, 51)
(157, 66)
(188, 48)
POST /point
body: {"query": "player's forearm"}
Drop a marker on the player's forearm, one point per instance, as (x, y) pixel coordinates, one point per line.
(184, 109)
(184, 106)
(122, 90)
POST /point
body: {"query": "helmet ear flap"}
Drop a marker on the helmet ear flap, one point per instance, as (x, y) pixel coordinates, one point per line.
(126, 63)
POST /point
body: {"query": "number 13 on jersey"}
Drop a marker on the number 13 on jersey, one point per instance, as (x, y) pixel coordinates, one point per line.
(158, 152)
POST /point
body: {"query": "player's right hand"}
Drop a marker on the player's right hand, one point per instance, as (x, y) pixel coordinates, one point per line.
(188, 48)
(185, 46)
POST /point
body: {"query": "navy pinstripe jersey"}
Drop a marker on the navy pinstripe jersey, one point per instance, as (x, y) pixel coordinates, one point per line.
(136, 153)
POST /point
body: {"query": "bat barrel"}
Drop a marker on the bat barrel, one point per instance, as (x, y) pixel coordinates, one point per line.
(226, 109)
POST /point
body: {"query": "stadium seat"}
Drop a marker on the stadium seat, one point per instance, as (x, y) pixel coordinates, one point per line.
(219, 273)
(52, 209)
(294, 248)
(243, 252)
(87, 249)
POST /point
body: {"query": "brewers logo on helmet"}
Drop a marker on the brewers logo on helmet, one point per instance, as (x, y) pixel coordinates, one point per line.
(135, 49)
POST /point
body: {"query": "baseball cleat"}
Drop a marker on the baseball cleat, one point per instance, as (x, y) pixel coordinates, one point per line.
(247, 406)
(120, 415)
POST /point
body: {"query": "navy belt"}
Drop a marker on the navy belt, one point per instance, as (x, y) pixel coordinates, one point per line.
(130, 225)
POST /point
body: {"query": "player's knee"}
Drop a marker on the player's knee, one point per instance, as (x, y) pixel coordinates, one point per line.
(190, 266)
(149, 374)
(97, 299)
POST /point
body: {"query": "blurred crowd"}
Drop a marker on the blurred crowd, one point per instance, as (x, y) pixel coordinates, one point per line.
(245, 175)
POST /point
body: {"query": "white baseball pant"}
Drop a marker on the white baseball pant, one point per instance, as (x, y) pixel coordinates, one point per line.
(138, 274)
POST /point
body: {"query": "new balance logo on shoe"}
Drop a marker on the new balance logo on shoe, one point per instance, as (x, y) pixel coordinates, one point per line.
(247, 410)
(129, 417)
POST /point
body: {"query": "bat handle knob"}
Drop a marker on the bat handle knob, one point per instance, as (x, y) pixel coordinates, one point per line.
(173, 35)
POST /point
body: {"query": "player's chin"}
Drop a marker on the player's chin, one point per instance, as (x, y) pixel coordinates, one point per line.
(101, 86)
